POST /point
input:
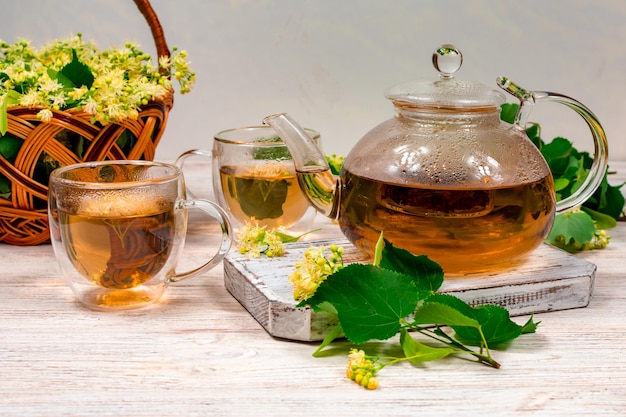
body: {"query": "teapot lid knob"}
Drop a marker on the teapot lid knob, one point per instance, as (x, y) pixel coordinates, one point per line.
(447, 59)
(446, 92)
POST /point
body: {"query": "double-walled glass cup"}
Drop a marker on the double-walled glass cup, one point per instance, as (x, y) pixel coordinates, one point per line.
(254, 179)
(118, 228)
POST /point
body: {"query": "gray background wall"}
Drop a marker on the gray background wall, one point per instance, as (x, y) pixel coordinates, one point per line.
(328, 62)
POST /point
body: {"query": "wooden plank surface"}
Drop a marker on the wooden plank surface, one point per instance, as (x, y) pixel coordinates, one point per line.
(549, 280)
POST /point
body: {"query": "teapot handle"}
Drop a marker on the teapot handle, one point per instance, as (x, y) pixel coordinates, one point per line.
(601, 156)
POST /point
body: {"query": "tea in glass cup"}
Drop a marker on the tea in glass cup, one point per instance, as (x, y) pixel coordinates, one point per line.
(254, 179)
(118, 227)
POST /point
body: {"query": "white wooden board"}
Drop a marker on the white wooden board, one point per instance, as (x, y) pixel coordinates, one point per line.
(550, 279)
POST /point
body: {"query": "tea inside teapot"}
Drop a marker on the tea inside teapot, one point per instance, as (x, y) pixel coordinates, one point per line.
(463, 229)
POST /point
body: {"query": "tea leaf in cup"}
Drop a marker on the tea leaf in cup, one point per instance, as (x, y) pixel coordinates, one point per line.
(259, 198)
(278, 153)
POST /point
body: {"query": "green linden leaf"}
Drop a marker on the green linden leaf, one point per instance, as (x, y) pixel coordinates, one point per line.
(508, 112)
(427, 274)
(378, 250)
(286, 238)
(494, 321)
(607, 199)
(613, 202)
(12, 97)
(77, 72)
(5, 187)
(126, 141)
(80, 147)
(559, 148)
(417, 352)
(601, 220)
(10, 146)
(437, 312)
(534, 134)
(580, 176)
(496, 325)
(370, 301)
(558, 155)
(4, 121)
(574, 226)
(62, 79)
(530, 326)
(561, 184)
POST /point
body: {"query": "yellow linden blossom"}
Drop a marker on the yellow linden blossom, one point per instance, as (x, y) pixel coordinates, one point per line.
(255, 240)
(91, 107)
(313, 269)
(78, 93)
(31, 98)
(361, 369)
(45, 115)
(124, 79)
(600, 240)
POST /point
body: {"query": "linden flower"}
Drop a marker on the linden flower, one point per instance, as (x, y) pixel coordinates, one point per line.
(362, 369)
(31, 99)
(111, 85)
(45, 115)
(311, 271)
(255, 240)
(183, 74)
(78, 93)
(601, 239)
(91, 107)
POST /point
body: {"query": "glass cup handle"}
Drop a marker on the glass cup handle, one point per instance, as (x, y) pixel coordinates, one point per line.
(180, 161)
(216, 212)
(600, 159)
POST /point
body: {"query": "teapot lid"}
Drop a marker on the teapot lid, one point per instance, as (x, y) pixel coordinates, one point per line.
(446, 92)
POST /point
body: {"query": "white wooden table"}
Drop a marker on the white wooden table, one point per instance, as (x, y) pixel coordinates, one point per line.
(199, 353)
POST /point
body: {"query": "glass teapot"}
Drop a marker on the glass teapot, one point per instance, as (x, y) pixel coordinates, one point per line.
(445, 177)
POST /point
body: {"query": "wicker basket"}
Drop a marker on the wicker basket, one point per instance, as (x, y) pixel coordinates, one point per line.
(23, 219)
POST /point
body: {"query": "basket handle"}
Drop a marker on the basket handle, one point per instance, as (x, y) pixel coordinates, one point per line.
(151, 17)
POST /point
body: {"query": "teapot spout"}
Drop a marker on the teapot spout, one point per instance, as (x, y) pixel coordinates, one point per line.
(314, 175)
